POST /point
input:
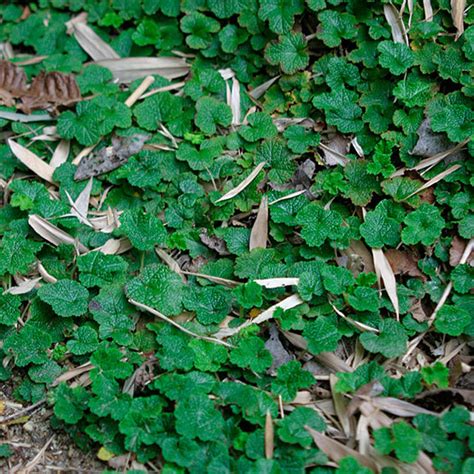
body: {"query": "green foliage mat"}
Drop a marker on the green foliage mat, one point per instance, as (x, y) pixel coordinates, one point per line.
(301, 127)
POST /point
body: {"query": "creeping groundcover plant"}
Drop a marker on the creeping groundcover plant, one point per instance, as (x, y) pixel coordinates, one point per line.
(237, 236)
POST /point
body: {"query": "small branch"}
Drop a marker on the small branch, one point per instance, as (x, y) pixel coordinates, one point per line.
(22, 412)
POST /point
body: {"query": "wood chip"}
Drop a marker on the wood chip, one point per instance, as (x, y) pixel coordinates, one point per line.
(238, 189)
(259, 233)
(32, 161)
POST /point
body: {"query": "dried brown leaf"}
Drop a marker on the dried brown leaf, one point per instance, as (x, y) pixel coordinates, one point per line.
(60, 154)
(51, 88)
(403, 263)
(111, 157)
(12, 79)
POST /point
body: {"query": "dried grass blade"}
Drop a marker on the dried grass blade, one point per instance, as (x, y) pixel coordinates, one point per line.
(214, 279)
(398, 407)
(24, 287)
(399, 33)
(277, 282)
(53, 234)
(361, 326)
(336, 451)
(457, 13)
(287, 303)
(238, 189)
(269, 436)
(91, 42)
(428, 10)
(259, 233)
(434, 180)
(171, 262)
(48, 278)
(171, 87)
(129, 69)
(15, 117)
(288, 196)
(435, 159)
(81, 204)
(32, 161)
(138, 92)
(262, 88)
(153, 311)
(385, 272)
(114, 247)
(340, 406)
(60, 154)
(235, 101)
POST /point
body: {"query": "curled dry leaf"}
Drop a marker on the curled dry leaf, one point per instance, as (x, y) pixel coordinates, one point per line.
(384, 271)
(399, 34)
(12, 82)
(51, 88)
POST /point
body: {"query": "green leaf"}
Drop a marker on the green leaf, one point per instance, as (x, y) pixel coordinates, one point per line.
(436, 374)
(423, 225)
(85, 341)
(66, 297)
(322, 335)
(391, 341)
(362, 185)
(401, 438)
(379, 229)
(199, 28)
(452, 320)
(143, 230)
(98, 269)
(396, 57)
(211, 304)
(159, 287)
(341, 109)
(70, 403)
(280, 14)
(9, 309)
(249, 295)
(159, 108)
(291, 378)
(414, 90)
(197, 417)
(292, 427)
(335, 27)
(457, 421)
(319, 224)
(28, 345)
(17, 253)
(108, 363)
(349, 465)
(300, 139)
(455, 120)
(260, 125)
(289, 52)
(278, 159)
(211, 112)
(463, 278)
(209, 356)
(251, 353)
